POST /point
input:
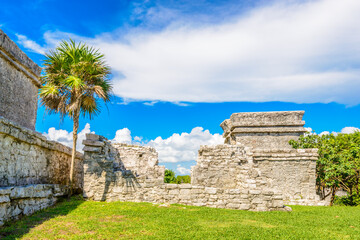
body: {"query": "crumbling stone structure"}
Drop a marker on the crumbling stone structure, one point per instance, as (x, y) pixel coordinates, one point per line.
(34, 172)
(118, 172)
(268, 159)
(254, 170)
(19, 84)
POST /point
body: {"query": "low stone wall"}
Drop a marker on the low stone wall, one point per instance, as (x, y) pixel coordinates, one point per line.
(187, 194)
(25, 200)
(33, 171)
(243, 199)
(27, 157)
(114, 172)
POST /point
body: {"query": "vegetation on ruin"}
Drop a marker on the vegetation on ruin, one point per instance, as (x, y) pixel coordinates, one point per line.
(338, 166)
(171, 178)
(75, 79)
(78, 219)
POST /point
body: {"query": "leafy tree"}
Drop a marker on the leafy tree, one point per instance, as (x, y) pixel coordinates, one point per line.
(338, 165)
(183, 179)
(75, 79)
(169, 176)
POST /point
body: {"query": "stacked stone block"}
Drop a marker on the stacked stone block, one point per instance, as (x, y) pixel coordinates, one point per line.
(24, 200)
(264, 129)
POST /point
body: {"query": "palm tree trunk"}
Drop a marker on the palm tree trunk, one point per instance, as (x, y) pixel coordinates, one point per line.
(73, 155)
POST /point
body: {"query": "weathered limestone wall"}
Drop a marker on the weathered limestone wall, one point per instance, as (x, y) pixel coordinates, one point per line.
(114, 172)
(25, 200)
(290, 171)
(34, 172)
(222, 166)
(18, 84)
(27, 157)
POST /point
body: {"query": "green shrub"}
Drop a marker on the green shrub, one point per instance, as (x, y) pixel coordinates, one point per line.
(171, 178)
(352, 200)
(338, 166)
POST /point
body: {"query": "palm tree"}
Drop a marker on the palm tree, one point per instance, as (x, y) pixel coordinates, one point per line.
(75, 79)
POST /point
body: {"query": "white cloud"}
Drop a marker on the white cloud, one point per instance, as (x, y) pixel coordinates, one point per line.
(345, 130)
(66, 138)
(138, 139)
(184, 146)
(123, 136)
(350, 130)
(287, 51)
(176, 148)
(152, 103)
(30, 44)
(182, 170)
(309, 131)
(325, 133)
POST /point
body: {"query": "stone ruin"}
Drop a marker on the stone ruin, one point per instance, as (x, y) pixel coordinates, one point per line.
(256, 169)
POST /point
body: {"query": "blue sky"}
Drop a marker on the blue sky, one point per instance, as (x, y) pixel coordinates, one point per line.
(185, 66)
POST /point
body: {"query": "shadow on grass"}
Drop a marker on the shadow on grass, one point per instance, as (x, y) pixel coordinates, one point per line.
(17, 229)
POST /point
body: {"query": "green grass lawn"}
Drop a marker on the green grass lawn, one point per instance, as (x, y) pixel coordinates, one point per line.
(78, 219)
